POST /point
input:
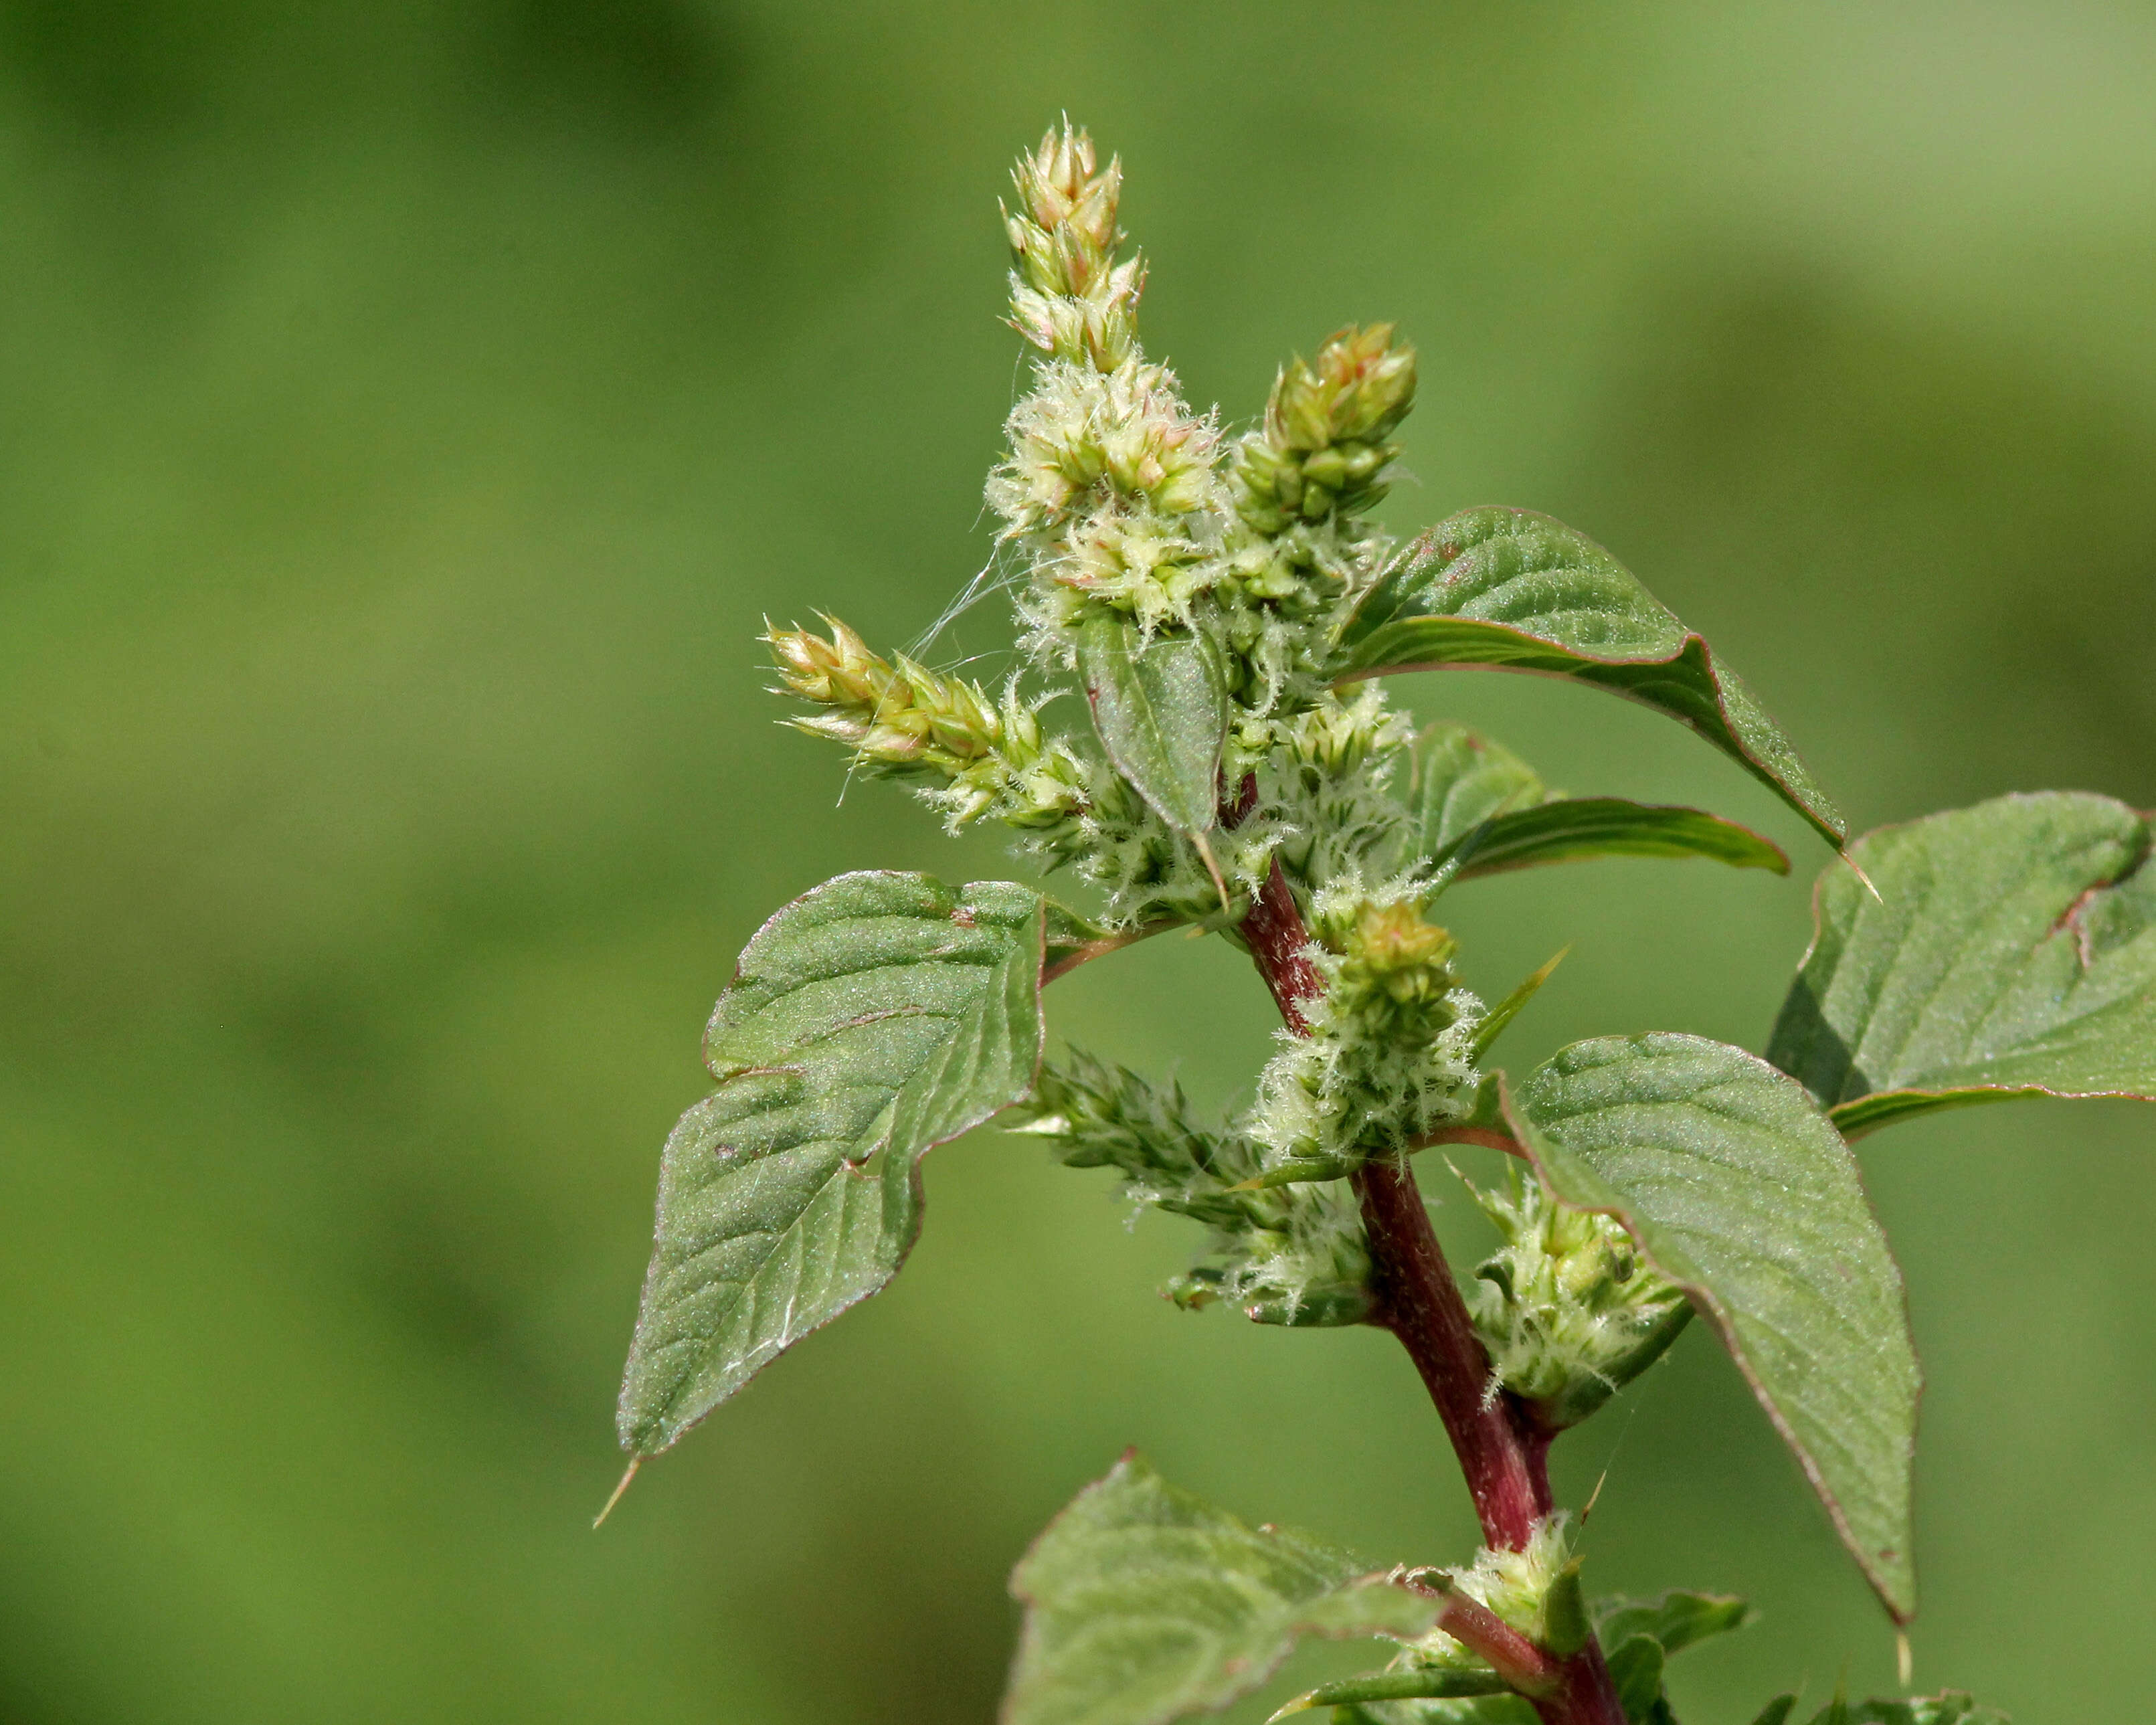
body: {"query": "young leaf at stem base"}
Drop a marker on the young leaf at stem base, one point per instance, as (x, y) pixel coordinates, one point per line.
(2010, 952)
(874, 1018)
(1511, 590)
(1739, 1189)
(1144, 1603)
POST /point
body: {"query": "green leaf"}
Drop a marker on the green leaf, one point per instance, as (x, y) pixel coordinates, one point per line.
(1161, 707)
(1741, 1191)
(1144, 1603)
(1676, 1621)
(1499, 1017)
(1635, 1668)
(2010, 952)
(1514, 591)
(1640, 1639)
(1459, 779)
(877, 1016)
(1777, 1711)
(1481, 809)
(1575, 828)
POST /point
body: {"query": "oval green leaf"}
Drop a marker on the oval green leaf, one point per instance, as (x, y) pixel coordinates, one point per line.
(872, 1018)
(1741, 1191)
(1161, 707)
(1144, 1603)
(2010, 952)
(1511, 590)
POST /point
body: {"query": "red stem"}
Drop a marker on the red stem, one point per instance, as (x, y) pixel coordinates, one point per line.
(1420, 1303)
(1501, 1453)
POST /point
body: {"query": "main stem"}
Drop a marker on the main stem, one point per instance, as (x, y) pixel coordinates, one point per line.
(1503, 1454)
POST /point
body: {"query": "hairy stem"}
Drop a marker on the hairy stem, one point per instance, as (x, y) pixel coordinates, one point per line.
(1500, 1453)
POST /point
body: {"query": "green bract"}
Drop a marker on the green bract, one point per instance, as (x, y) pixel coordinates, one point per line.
(1205, 613)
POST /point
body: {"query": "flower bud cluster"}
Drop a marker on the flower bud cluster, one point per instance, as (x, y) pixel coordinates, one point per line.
(1568, 1309)
(1326, 773)
(902, 720)
(1107, 478)
(1112, 482)
(1388, 1059)
(1395, 978)
(1082, 438)
(1069, 296)
(1286, 1255)
(1323, 447)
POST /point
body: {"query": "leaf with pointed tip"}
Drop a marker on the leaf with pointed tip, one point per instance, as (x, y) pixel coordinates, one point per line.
(872, 1018)
(1161, 707)
(1499, 1017)
(1514, 591)
(2010, 952)
(1575, 828)
(1482, 810)
(1144, 1603)
(1740, 1190)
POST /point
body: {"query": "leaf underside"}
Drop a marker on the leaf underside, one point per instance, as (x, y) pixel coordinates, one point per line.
(1511, 590)
(1575, 828)
(1144, 1603)
(1741, 1190)
(1481, 808)
(2012, 951)
(877, 1016)
(1161, 708)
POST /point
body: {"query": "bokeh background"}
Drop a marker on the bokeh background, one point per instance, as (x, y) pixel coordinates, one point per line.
(410, 411)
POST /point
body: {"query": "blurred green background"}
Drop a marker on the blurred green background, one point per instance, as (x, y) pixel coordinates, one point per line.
(411, 412)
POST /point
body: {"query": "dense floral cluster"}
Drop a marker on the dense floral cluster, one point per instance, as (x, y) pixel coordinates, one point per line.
(1120, 502)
